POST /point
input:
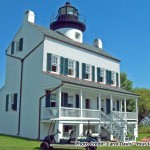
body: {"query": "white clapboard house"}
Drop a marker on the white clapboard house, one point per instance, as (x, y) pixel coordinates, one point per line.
(54, 78)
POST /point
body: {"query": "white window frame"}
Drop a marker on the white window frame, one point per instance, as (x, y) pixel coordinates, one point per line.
(88, 71)
(70, 100)
(55, 62)
(113, 78)
(11, 101)
(102, 75)
(17, 45)
(71, 66)
(53, 99)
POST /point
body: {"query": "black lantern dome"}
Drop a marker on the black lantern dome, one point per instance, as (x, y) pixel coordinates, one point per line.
(68, 17)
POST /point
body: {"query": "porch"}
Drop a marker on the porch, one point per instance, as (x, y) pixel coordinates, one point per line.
(73, 102)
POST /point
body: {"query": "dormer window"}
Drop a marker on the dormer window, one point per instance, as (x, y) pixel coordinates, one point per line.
(54, 63)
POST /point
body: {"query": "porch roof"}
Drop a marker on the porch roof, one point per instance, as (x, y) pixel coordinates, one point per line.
(91, 84)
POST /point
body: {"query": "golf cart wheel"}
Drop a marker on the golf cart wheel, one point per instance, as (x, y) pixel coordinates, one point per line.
(90, 148)
(44, 146)
(50, 148)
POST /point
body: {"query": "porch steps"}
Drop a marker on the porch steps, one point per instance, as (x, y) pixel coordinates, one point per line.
(118, 128)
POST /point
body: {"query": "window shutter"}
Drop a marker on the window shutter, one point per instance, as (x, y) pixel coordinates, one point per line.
(77, 69)
(87, 103)
(97, 103)
(49, 62)
(15, 102)
(21, 44)
(98, 74)
(7, 102)
(83, 70)
(108, 77)
(47, 104)
(93, 73)
(66, 66)
(117, 105)
(117, 80)
(12, 47)
(62, 61)
(77, 101)
(65, 99)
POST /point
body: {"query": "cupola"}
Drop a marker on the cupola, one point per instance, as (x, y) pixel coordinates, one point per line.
(69, 22)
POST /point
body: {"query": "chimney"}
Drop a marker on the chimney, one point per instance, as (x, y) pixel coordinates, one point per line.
(29, 16)
(98, 43)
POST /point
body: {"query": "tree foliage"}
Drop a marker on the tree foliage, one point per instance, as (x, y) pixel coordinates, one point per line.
(144, 102)
(125, 82)
(144, 98)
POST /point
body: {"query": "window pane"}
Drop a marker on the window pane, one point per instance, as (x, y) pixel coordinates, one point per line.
(69, 10)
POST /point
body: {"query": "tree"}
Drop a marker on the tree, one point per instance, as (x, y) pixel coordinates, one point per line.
(144, 102)
(125, 82)
(127, 85)
(144, 99)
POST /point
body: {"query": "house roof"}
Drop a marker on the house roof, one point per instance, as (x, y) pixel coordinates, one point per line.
(76, 81)
(58, 36)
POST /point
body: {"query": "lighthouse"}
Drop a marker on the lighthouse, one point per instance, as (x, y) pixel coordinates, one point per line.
(69, 22)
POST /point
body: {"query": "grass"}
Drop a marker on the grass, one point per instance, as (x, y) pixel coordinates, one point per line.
(15, 143)
(144, 129)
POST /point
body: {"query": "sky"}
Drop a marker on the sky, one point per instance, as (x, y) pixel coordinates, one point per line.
(122, 25)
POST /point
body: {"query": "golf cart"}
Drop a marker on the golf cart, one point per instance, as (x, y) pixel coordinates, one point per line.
(49, 141)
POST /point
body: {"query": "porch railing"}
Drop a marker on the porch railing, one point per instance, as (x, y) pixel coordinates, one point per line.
(70, 112)
(126, 115)
(89, 113)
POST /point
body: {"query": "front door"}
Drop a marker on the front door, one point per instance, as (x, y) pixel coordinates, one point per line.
(107, 106)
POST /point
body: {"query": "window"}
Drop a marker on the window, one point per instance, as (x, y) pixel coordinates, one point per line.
(19, 45)
(50, 99)
(53, 100)
(88, 72)
(87, 103)
(54, 63)
(77, 35)
(71, 67)
(113, 78)
(11, 102)
(70, 101)
(102, 75)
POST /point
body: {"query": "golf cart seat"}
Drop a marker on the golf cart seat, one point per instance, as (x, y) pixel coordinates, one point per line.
(68, 139)
(88, 132)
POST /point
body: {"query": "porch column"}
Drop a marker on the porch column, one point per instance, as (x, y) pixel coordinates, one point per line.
(120, 105)
(81, 102)
(59, 103)
(99, 99)
(60, 128)
(80, 129)
(136, 103)
(111, 109)
(125, 108)
(111, 103)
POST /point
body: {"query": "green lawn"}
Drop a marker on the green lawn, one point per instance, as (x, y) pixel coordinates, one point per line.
(14, 143)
